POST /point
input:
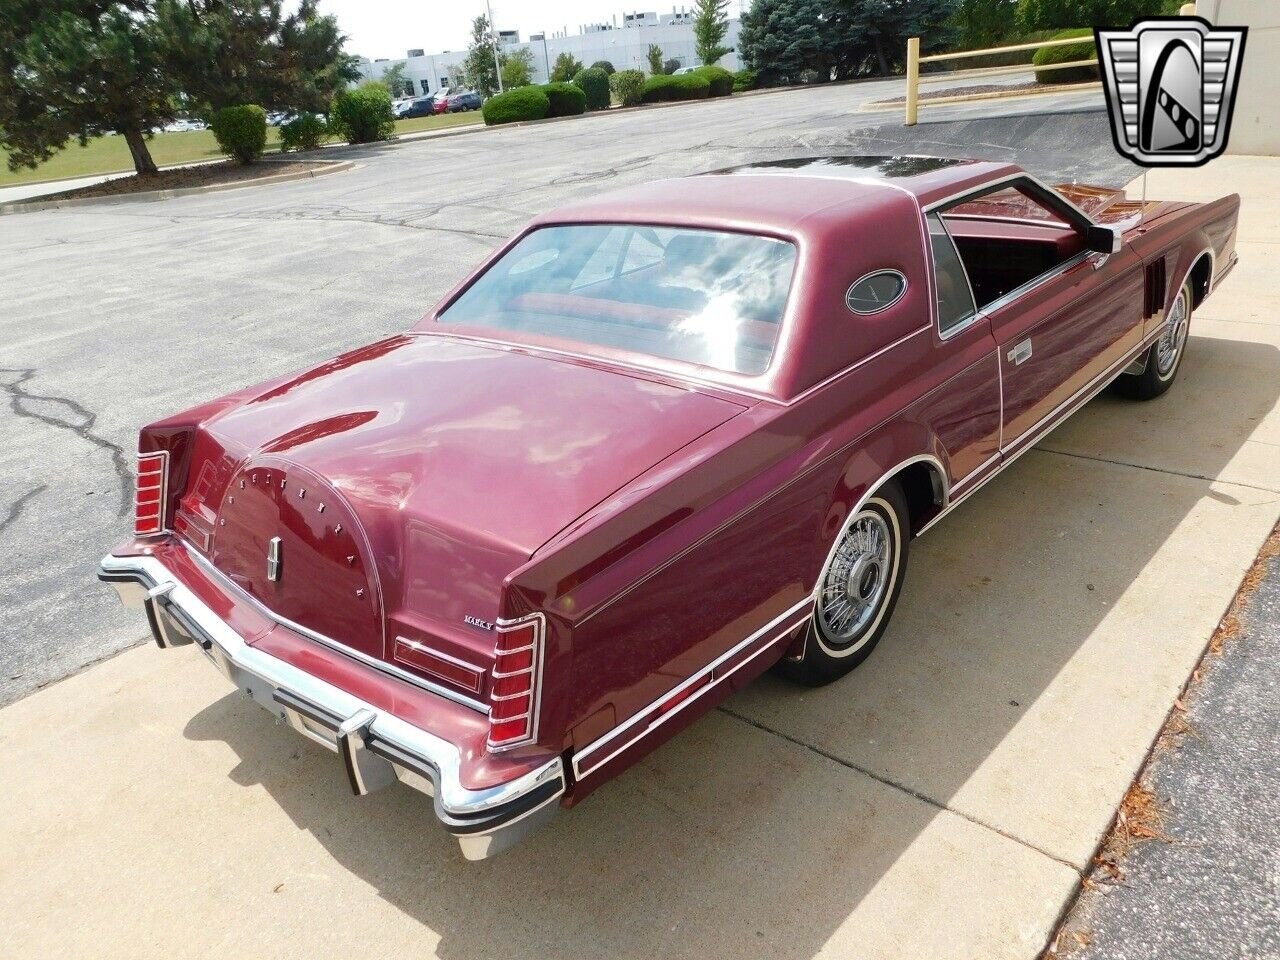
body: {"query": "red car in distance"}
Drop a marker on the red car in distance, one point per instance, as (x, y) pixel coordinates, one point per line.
(661, 441)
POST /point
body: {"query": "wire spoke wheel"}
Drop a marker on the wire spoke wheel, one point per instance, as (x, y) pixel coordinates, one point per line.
(1169, 346)
(857, 580)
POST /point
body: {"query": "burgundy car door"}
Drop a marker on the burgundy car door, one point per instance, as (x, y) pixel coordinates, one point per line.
(1057, 331)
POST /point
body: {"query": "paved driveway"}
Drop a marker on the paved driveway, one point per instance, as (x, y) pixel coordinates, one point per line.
(939, 802)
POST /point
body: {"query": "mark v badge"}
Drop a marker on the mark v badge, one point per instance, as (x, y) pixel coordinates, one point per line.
(1171, 87)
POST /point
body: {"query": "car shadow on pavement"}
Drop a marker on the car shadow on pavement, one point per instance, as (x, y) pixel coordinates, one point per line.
(758, 831)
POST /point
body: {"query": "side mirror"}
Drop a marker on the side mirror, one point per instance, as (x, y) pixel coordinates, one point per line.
(1104, 240)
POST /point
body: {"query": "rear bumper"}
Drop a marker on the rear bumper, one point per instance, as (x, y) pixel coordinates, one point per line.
(376, 747)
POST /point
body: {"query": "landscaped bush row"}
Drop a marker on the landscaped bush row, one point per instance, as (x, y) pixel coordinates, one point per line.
(303, 132)
(535, 103)
(1084, 50)
(665, 88)
(591, 89)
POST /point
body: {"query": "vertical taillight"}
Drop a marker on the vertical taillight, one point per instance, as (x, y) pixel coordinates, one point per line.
(513, 694)
(153, 487)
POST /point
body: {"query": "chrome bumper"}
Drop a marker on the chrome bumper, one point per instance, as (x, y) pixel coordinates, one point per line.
(376, 747)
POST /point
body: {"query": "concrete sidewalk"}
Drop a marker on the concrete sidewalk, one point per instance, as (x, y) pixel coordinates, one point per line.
(940, 802)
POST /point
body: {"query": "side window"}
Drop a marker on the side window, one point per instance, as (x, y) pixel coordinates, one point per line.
(955, 299)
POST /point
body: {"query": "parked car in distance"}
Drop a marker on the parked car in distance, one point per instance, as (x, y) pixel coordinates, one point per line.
(662, 440)
(417, 107)
(683, 70)
(466, 100)
(184, 126)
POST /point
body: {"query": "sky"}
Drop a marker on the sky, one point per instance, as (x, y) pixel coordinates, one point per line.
(387, 28)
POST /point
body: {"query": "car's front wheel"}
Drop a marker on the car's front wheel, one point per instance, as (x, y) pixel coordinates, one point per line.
(857, 590)
(1164, 359)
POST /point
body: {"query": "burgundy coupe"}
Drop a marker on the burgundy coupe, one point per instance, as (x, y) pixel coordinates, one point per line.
(662, 441)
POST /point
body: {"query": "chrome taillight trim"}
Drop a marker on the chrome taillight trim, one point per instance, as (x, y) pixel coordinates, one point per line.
(539, 621)
(162, 489)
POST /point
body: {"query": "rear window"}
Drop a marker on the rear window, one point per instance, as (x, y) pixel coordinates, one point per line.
(707, 297)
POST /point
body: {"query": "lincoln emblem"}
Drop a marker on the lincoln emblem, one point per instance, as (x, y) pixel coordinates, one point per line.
(275, 560)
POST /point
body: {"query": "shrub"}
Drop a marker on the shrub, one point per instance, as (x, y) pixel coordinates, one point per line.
(606, 66)
(1084, 50)
(304, 132)
(720, 80)
(566, 99)
(523, 103)
(627, 86)
(594, 82)
(362, 115)
(241, 132)
(744, 80)
(664, 88)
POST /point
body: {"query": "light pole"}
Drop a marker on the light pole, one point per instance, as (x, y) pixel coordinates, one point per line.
(493, 38)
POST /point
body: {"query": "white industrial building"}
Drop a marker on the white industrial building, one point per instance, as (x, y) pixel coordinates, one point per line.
(623, 40)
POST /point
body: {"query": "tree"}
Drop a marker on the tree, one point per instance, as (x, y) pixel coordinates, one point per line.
(783, 39)
(885, 25)
(654, 55)
(224, 53)
(75, 69)
(394, 80)
(480, 69)
(1052, 14)
(565, 68)
(710, 24)
(984, 23)
(517, 69)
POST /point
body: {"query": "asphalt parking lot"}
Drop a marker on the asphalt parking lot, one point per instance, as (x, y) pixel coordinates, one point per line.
(942, 801)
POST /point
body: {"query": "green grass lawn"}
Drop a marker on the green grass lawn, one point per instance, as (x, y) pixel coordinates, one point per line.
(111, 154)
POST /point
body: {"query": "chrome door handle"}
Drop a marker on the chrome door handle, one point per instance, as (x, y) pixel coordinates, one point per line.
(1020, 352)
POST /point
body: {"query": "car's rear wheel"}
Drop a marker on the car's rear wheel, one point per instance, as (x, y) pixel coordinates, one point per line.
(1164, 359)
(857, 590)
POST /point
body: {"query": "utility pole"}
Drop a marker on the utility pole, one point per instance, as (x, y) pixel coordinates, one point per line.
(493, 38)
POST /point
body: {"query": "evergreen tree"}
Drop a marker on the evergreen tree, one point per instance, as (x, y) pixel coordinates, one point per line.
(479, 70)
(783, 39)
(984, 23)
(654, 55)
(1053, 14)
(710, 24)
(75, 69)
(226, 53)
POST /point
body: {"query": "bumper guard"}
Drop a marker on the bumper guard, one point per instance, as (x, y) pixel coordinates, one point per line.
(376, 747)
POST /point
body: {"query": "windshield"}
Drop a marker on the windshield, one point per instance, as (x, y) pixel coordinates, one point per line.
(706, 297)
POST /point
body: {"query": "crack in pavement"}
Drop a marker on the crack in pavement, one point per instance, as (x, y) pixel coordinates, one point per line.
(20, 397)
(888, 782)
(15, 510)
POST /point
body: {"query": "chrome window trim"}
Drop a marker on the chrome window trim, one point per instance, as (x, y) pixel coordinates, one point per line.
(539, 620)
(976, 315)
(1035, 283)
(883, 272)
(991, 185)
(337, 646)
(648, 711)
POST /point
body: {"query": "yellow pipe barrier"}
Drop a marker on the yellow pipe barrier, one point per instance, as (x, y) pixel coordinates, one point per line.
(1002, 71)
(914, 60)
(913, 80)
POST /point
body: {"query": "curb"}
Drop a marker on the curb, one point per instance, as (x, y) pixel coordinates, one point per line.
(896, 105)
(150, 196)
